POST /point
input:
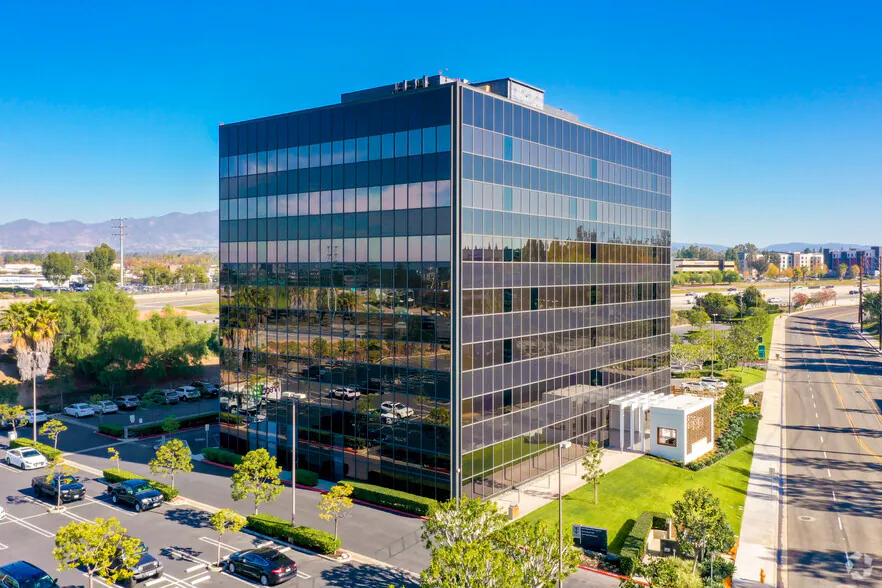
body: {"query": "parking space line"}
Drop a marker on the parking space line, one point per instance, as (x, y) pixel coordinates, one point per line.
(302, 575)
(31, 527)
(154, 582)
(111, 506)
(194, 568)
(187, 556)
(215, 542)
(2, 547)
(202, 579)
(4, 466)
(265, 544)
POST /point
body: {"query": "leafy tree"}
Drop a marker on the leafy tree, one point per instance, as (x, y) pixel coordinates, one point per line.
(730, 276)
(320, 347)
(788, 273)
(224, 521)
(855, 271)
(713, 303)
(842, 269)
(773, 271)
(593, 472)
(820, 270)
(170, 458)
(464, 521)
(336, 504)
(471, 565)
(698, 318)
(751, 297)
(171, 425)
(669, 572)
(190, 273)
(14, 414)
(716, 276)
(52, 429)
(257, 475)
(100, 260)
(152, 400)
(59, 472)
(799, 300)
(114, 456)
(94, 546)
(701, 523)
(534, 550)
(156, 274)
(58, 268)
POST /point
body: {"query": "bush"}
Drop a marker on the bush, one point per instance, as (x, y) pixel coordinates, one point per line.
(113, 475)
(112, 430)
(634, 545)
(306, 537)
(185, 422)
(749, 412)
(47, 451)
(403, 501)
(307, 478)
(229, 458)
(230, 418)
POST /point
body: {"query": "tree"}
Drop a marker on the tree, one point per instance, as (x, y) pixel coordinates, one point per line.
(698, 318)
(100, 261)
(156, 274)
(190, 273)
(336, 504)
(788, 273)
(773, 271)
(730, 276)
(172, 457)
(114, 456)
(14, 414)
(533, 548)
(855, 271)
(465, 521)
(800, 300)
(94, 546)
(842, 269)
(171, 425)
(223, 521)
(58, 268)
(52, 429)
(152, 400)
(471, 565)
(701, 523)
(751, 297)
(820, 270)
(60, 473)
(591, 466)
(716, 276)
(669, 572)
(257, 475)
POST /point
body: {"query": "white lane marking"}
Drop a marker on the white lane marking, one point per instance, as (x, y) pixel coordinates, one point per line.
(814, 405)
(828, 473)
(825, 455)
(2, 547)
(154, 582)
(304, 576)
(202, 579)
(816, 415)
(265, 544)
(822, 438)
(834, 495)
(192, 569)
(189, 557)
(4, 466)
(840, 523)
(284, 549)
(215, 542)
(111, 506)
(30, 527)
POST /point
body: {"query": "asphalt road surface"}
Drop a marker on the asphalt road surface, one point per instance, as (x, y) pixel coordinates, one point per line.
(684, 301)
(832, 449)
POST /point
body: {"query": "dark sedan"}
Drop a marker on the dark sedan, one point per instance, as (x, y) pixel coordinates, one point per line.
(266, 565)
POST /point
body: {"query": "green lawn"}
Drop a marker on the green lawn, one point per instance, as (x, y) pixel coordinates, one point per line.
(483, 460)
(207, 308)
(749, 376)
(651, 484)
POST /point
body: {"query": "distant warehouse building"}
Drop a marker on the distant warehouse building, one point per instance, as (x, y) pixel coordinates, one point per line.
(681, 265)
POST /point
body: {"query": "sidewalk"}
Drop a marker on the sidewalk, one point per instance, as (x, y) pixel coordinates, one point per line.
(758, 540)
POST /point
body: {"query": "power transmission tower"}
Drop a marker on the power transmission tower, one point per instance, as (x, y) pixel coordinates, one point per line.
(121, 233)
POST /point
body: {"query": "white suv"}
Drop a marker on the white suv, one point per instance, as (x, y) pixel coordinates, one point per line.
(186, 393)
(394, 410)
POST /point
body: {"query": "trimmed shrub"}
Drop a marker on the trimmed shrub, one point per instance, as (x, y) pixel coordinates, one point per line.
(634, 545)
(306, 537)
(403, 501)
(307, 478)
(230, 418)
(186, 423)
(112, 430)
(47, 451)
(749, 412)
(113, 475)
(229, 458)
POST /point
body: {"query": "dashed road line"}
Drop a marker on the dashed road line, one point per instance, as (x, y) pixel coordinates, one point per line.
(840, 523)
(828, 473)
(834, 495)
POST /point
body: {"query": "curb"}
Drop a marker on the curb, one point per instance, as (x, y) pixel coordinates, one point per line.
(109, 436)
(287, 544)
(319, 490)
(612, 575)
(871, 343)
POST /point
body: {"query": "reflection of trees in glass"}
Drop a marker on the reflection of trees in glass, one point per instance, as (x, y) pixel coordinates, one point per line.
(320, 347)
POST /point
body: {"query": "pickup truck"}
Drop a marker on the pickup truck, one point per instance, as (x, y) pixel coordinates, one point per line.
(136, 493)
(71, 489)
(147, 566)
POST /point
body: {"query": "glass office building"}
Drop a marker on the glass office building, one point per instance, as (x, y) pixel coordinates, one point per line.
(444, 280)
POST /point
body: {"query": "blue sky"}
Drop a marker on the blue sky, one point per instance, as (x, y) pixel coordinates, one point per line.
(772, 111)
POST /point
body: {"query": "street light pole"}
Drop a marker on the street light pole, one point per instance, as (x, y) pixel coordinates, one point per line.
(297, 398)
(713, 343)
(560, 447)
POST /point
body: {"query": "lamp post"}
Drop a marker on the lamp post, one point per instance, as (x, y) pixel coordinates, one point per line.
(296, 399)
(713, 343)
(560, 447)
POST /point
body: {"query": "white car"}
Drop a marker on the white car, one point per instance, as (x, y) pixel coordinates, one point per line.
(345, 393)
(775, 300)
(715, 382)
(37, 416)
(80, 409)
(26, 458)
(104, 407)
(396, 409)
(186, 393)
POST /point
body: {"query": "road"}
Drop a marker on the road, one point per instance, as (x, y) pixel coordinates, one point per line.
(684, 302)
(832, 451)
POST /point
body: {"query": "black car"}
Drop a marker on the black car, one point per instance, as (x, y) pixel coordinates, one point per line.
(137, 493)
(147, 566)
(21, 574)
(266, 565)
(71, 488)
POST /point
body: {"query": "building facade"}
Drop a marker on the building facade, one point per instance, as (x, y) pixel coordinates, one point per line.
(867, 259)
(808, 261)
(442, 279)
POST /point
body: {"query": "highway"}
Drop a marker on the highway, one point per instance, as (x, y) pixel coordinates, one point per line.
(684, 301)
(832, 453)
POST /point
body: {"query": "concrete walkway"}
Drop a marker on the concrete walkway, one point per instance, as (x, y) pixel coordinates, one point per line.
(543, 490)
(758, 540)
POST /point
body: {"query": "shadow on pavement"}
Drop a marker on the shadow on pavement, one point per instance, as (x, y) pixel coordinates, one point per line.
(187, 515)
(367, 576)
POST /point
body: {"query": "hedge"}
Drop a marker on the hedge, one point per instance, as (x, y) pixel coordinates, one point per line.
(634, 546)
(47, 451)
(229, 458)
(114, 475)
(112, 430)
(185, 422)
(403, 501)
(306, 537)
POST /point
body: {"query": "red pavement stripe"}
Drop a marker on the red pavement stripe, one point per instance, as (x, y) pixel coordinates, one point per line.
(612, 575)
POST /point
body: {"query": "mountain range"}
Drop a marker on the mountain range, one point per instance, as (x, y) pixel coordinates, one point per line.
(175, 231)
(782, 247)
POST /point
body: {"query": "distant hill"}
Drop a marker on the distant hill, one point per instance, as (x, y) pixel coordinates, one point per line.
(175, 231)
(675, 246)
(791, 247)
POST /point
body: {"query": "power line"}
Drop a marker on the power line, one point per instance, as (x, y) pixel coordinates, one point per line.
(121, 233)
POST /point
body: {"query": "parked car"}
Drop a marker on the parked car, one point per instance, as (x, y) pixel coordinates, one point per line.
(80, 409)
(186, 393)
(715, 382)
(732, 289)
(344, 393)
(104, 407)
(775, 300)
(692, 387)
(37, 416)
(22, 574)
(207, 388)
(171, 396)
(26, 458)
(829, 287)
(854, 291)
(70, 487)
(147, 566)
(136, 493)
(266, 565)
(798, 288)
(396, 408)
(128, 402)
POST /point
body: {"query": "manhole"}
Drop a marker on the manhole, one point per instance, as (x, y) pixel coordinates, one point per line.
(806, 519)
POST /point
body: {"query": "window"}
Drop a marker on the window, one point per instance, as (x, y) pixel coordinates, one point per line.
(667, 436)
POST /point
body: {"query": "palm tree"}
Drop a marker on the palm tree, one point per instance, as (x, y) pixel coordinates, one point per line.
(33, 327)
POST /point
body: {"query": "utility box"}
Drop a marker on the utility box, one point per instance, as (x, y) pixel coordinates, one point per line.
(514, 511)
